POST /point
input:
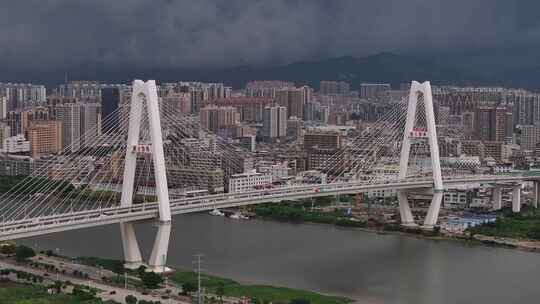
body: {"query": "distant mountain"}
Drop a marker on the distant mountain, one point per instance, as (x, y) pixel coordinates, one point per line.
(382, 67)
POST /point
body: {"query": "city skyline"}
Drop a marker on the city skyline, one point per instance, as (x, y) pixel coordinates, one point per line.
(269, 151)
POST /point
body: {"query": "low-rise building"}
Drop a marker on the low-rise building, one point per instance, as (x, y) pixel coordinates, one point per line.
(455, 199)
(16, 144)
(458, 225)
(248, 181)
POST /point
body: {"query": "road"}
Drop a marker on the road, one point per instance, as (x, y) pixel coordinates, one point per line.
(105, 294)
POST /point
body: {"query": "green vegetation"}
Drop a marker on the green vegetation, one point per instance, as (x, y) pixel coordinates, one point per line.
(8, 248)
(260, 293)
(115, 266)
(14, 293)
(151, 280)
(299, 212)
(525, 225)
(131, 299)
(23, 253)
(209, 282)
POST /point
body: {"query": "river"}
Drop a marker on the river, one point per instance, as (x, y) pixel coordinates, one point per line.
(368, 267)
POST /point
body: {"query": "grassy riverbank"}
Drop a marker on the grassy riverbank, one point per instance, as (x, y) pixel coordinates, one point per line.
(525, 225)
(231, 288)
(260, 293)
(15, 293)
(301, 212)
(109, 264)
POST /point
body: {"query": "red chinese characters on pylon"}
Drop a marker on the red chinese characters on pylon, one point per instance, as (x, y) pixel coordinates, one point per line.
(418, 133)
(142, 149)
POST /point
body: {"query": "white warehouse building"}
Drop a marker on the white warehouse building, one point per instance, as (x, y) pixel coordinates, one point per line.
(248, 181)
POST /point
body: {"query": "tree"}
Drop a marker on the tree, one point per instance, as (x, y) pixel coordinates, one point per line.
(57, 286)
(82, 295)
(189, 287)
(151, 280)
(118, 267)
(141, 270)
(220, 291)
(8, 248)
(22, 253)
(131, 299)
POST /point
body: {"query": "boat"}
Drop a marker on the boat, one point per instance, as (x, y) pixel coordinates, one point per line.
(238, 216)
(216, 212)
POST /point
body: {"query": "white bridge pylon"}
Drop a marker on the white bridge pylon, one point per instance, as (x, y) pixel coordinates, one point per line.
(418, 90)
(145, 93)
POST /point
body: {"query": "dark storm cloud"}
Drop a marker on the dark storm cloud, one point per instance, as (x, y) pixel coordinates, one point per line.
(51, 33)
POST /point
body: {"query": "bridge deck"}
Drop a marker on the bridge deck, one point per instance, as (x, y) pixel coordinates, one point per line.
(139, 212)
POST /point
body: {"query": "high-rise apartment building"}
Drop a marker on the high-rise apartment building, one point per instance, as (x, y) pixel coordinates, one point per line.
(214, 118)
(467, 99)
(5, 132)
(84, 91)
(90, 123)
(22, 95)
(294, 127)
(199, 92)
(525, 107)
(3, 107)
(294, 100)
(274, 122)
(490, 123)
(178, 102)
(374, 90)
(70, 116)
(529, 136)
(45, 137)
(334, 87)
(249, 108)
(18, 120)
(266, 88)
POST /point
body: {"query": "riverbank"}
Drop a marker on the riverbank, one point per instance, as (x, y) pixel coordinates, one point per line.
(218, 286)
(517, 231)
(524, 225)
(18, 293)
(215, 286)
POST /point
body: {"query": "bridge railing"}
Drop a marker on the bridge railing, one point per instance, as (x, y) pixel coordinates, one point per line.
(217, 200)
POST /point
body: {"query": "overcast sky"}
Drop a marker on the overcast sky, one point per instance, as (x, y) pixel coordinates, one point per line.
(59, 33)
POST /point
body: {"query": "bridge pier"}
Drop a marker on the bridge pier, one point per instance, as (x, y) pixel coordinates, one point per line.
(424, 90)
(158, 257)
(497, 197)
(516, 199)
(132, 253)
(407, 219)
(433, 212)
(146, 93)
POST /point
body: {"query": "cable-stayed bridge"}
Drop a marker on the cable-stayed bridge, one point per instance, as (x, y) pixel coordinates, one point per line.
(141, 170)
